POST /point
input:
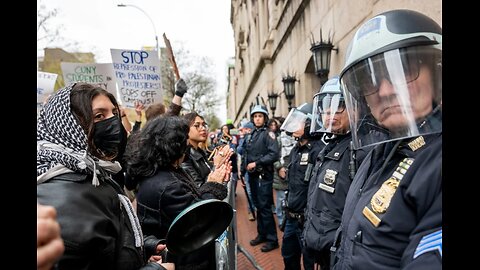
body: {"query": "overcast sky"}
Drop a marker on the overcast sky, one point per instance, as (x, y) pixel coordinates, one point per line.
(202, 26)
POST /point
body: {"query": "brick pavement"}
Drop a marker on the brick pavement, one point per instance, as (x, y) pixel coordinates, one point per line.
(246, 231)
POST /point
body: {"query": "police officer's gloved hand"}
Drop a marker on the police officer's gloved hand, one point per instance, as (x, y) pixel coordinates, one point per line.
(180, 87)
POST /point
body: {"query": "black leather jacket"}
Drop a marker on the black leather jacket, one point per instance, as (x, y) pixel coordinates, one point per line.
(162, 197)
(197, 166)
(95, 232)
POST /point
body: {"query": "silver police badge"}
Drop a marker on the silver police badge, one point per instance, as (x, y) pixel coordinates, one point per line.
(330, 176)
(304, 159)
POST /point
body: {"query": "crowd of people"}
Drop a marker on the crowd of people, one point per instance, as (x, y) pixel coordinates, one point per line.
(353, 178)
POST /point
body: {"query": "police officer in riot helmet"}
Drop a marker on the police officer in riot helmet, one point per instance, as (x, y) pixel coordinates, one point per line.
(392, 83)
(302, 160)
(332, 174)
(261, 151)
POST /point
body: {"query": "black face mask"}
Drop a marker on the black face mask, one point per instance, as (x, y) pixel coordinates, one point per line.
(107, 136)
(123, 143)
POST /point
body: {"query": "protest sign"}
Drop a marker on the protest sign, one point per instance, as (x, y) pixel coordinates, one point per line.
(138, 76)
(98, 74)
(45, 85)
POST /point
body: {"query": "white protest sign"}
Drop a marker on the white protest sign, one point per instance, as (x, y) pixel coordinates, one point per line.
(138, 76)
(45, 85)
(98, 74)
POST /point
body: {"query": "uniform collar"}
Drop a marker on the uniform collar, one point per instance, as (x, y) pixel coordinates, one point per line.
(409, 147)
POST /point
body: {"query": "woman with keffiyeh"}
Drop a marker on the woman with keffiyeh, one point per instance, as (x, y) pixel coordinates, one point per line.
(79, 134)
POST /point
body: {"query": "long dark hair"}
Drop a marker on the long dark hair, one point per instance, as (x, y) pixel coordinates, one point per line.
(81, 98)
(190, 117)
(162, 141)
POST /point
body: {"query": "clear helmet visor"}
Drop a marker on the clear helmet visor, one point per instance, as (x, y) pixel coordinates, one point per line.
(329, 114)
(394, 95)
(295, 121)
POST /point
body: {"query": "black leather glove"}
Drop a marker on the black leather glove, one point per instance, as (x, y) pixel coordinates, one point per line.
(150, 245)
(180, 87)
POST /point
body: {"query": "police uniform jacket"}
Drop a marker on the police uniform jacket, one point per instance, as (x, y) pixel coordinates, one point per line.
(302, 161)
(262, 148)
(240, 152)
(393, 213)
(285, 146)
(327, 191)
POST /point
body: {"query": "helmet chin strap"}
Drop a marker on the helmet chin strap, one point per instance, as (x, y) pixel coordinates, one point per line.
(301, 138)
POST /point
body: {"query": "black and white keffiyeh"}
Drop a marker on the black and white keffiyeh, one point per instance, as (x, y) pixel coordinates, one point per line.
(62, 147)
(62, 143)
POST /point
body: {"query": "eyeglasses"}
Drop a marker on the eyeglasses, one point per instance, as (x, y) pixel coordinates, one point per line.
(400, 66)
(198, 125)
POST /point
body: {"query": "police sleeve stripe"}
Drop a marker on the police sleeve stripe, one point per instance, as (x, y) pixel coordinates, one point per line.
(430, 242)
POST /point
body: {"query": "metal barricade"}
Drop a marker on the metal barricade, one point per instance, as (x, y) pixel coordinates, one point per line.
(226, 244)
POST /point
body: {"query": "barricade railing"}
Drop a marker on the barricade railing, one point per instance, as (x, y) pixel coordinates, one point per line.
(226, 244)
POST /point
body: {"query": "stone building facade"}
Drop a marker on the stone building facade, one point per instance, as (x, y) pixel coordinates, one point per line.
(273, 39)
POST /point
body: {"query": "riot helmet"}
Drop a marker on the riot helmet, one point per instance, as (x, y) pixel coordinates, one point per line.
(298, 119)
(243, 122)
(392, 78)
(329, 114)
(259, 109)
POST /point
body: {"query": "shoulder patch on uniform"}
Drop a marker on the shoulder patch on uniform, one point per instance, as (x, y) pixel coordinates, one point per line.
(429, 242)
(272, 135)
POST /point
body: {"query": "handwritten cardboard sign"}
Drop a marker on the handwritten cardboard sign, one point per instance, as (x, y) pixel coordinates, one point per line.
(138, 76)
(98, 74)
(45, 85)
